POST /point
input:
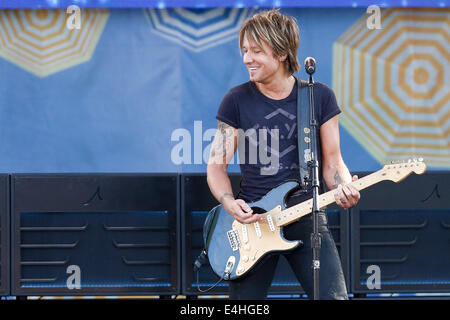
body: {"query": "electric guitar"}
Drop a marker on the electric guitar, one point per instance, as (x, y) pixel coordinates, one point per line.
(233, 248)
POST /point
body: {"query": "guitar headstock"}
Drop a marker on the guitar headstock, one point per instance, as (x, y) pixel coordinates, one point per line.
(400, 170)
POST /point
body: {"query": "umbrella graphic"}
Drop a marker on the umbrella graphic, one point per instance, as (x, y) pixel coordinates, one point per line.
(197, 29)
(393, 84)
(40, 42)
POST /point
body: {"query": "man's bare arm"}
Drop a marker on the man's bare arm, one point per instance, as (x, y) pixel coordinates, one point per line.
(335, 172)
(222, 151)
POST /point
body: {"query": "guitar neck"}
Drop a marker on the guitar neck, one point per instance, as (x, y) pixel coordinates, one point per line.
(294, 213)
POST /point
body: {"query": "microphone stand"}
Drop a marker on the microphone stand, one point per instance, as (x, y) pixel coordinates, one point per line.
(316, 237)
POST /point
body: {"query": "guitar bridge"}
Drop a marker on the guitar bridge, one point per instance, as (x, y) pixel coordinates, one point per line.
(233, 238)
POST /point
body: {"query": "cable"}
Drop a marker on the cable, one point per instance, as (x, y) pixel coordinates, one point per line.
(197, 265)
(212, 287)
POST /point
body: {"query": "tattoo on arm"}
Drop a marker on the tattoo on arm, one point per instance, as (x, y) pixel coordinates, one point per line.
(225, 195)
(337, 180)
(224, 142)
(226, 134)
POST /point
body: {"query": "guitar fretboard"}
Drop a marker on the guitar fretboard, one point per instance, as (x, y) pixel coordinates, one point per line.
(294, 213)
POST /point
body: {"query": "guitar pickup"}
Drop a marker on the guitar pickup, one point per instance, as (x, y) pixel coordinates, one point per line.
(257, 229)
(233, 238)
(270, 222)
(244, 233)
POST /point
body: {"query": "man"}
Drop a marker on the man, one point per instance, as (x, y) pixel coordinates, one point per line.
(269, 42)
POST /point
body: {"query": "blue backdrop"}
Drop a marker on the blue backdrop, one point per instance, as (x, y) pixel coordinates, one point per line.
(118, 111)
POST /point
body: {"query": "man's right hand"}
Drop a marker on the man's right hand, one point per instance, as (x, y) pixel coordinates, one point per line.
(240, 210)
(222, 151)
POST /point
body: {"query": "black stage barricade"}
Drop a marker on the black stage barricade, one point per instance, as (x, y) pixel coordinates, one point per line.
(401, 236)
(196, 202)
(91, 234)
(4, 235)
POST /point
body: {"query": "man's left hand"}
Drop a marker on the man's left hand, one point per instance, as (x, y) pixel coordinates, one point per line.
(347, 196)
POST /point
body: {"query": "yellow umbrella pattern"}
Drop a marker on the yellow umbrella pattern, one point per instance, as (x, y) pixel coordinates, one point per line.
(393, 84)
(40, 41)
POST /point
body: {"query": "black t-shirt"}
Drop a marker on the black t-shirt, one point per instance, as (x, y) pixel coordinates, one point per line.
(264, 123)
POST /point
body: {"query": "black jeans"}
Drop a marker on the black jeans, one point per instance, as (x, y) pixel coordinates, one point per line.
(331, 278)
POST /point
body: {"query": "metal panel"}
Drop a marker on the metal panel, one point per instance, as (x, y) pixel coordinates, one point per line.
(196, 201)
(402, 230)
(4, 236)
(116, 232)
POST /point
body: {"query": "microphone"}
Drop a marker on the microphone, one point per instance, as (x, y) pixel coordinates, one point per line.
(310, 65)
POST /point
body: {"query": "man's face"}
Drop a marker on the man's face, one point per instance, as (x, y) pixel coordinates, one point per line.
(262, 66)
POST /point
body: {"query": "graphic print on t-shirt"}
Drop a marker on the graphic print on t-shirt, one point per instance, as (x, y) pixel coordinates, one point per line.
(282, 141)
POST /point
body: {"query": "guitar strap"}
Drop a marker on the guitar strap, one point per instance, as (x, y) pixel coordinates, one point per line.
(303, 131)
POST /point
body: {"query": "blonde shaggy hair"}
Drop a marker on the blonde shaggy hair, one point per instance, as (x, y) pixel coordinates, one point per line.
(279, 31)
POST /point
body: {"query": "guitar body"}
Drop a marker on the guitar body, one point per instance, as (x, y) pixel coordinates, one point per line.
(233, 248)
